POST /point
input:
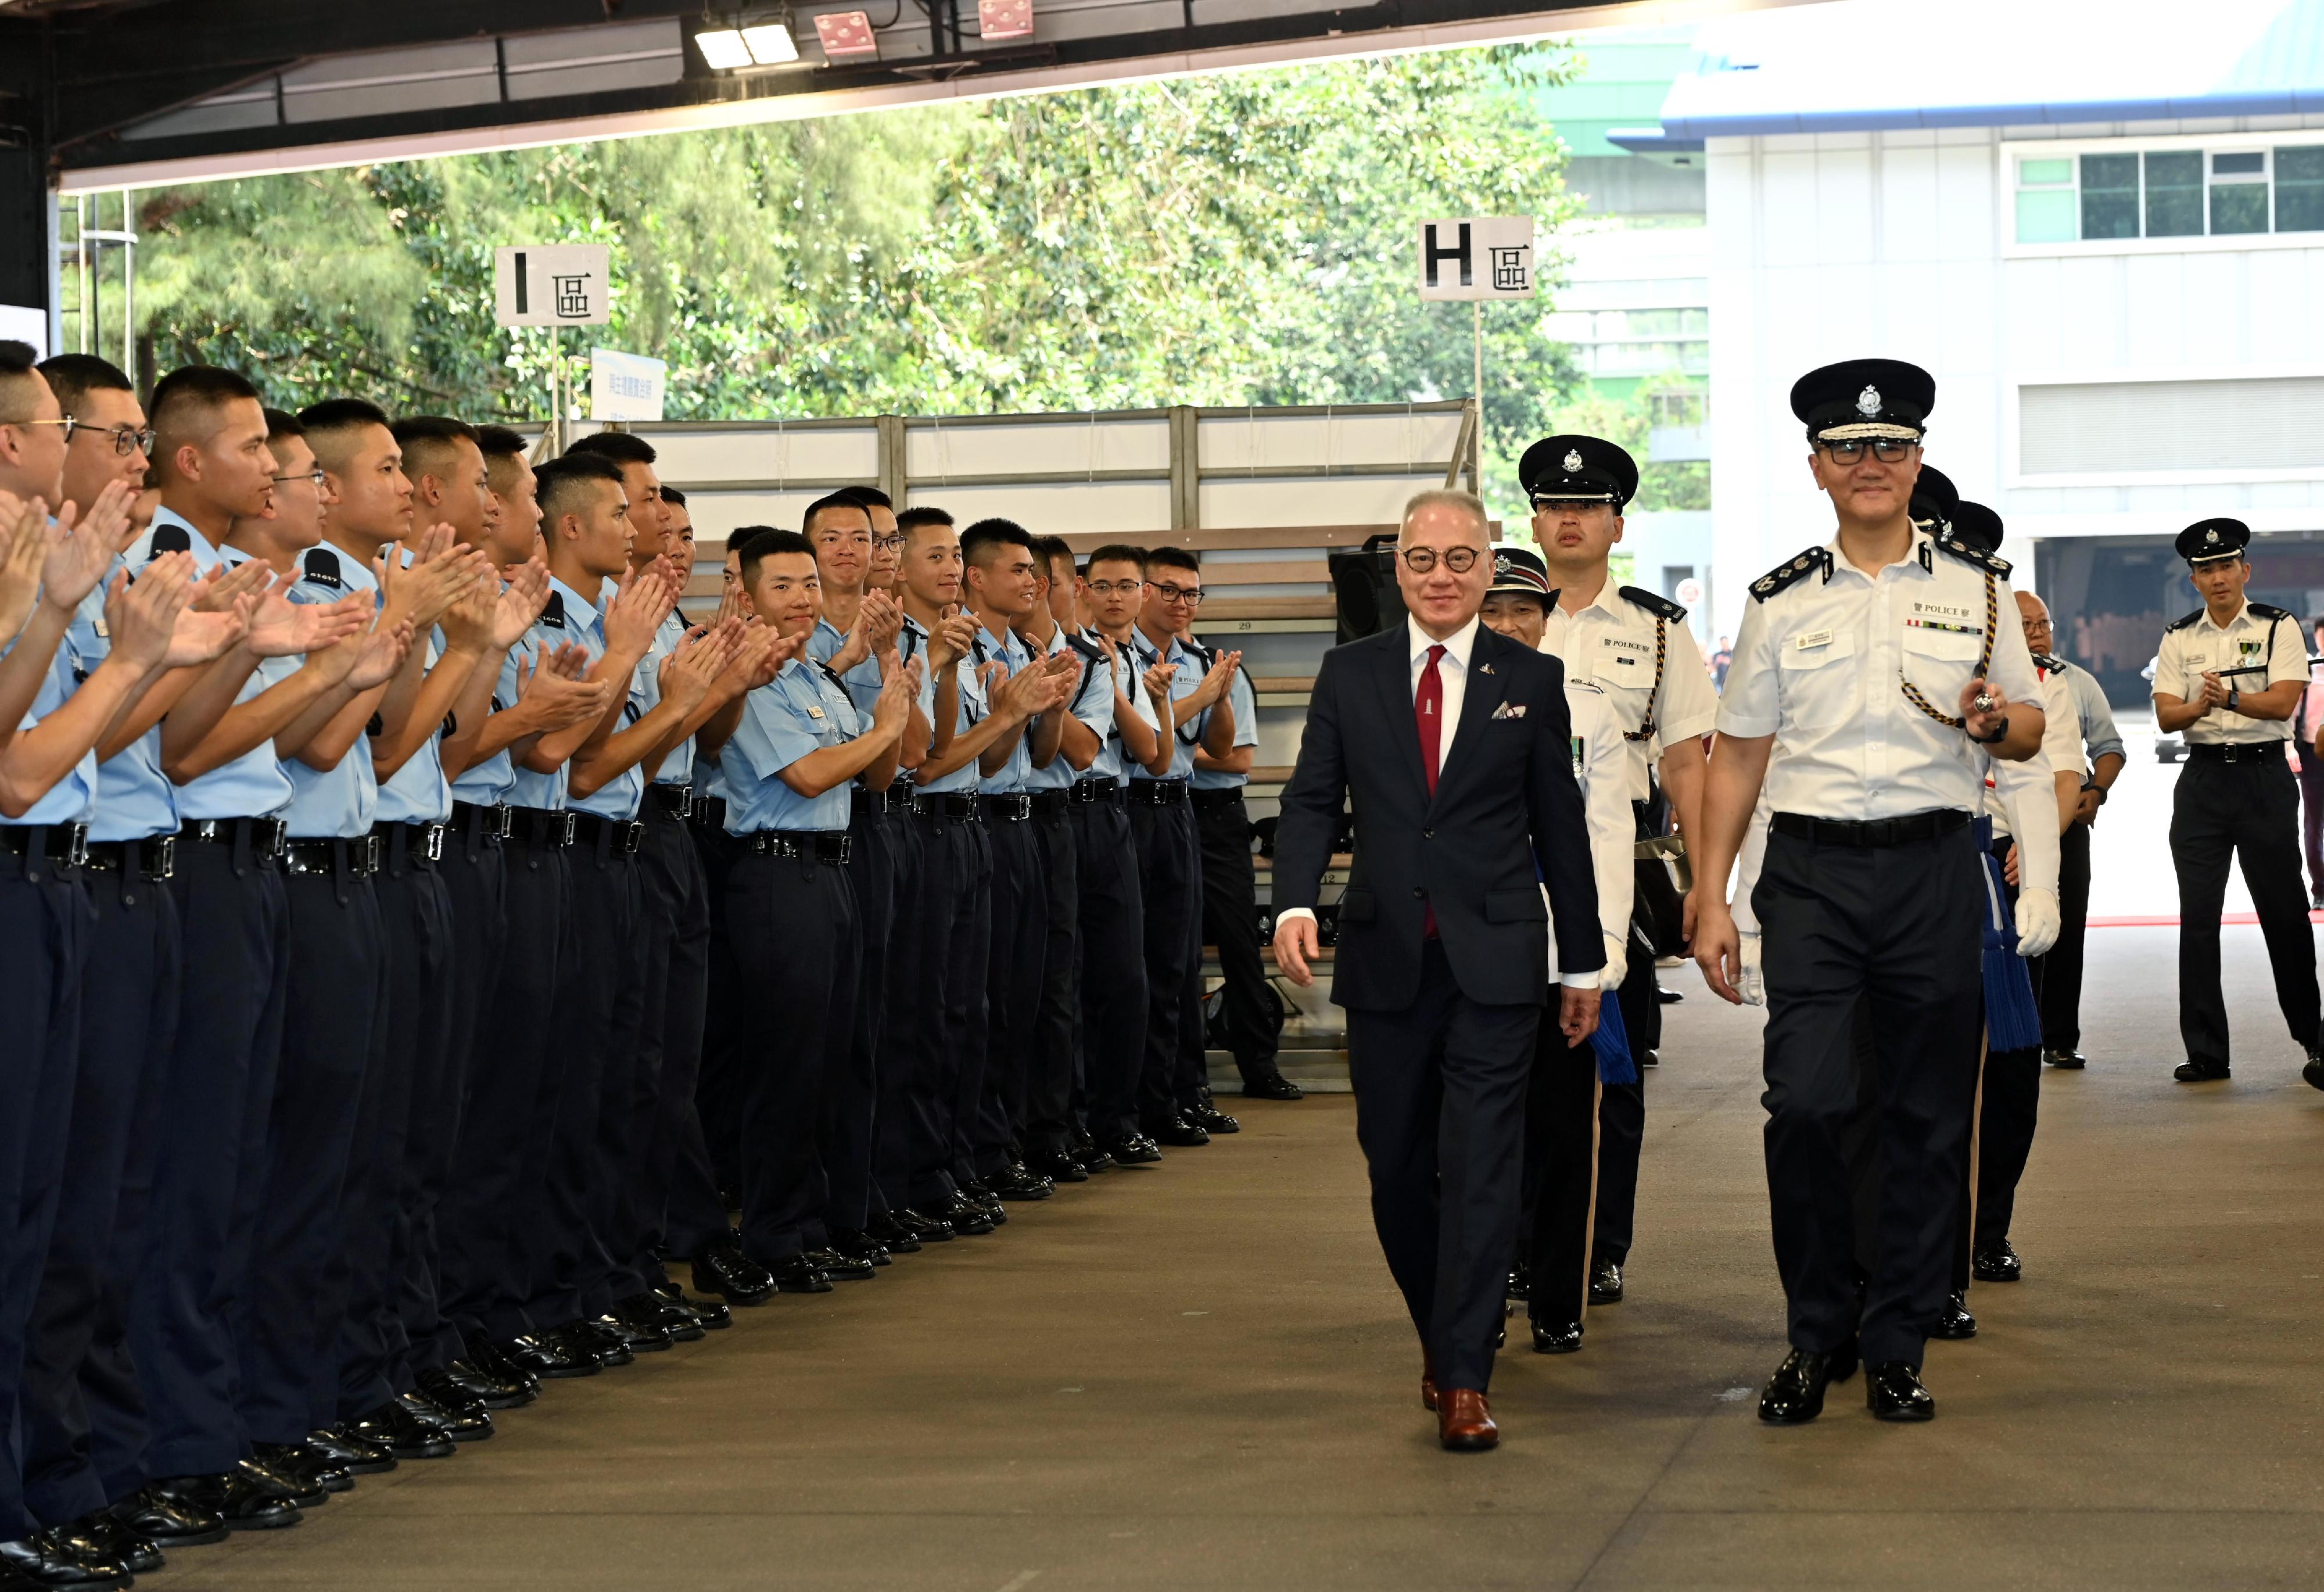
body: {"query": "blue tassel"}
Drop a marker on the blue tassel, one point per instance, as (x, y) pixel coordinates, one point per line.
(1612, 1044)
(2012, 1021)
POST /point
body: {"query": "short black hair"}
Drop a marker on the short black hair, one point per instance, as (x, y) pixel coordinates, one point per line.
(499, 442)
(195, 386)
(1115, 552)
(871, 497)
(282, 423)
(1048, 549)
(16, 358)
(74, 376)
(558, 479)
(18, 385)
(1173, 558)
(740, 539)
(911, 519)
(830, 500)
(623, 448)
(426, 439)
(673, 497)
(977, 542)
(336, 414)
(768, 543)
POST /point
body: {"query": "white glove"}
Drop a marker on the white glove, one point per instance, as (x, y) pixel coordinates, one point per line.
(1618, 959)
(2038, 922)
(1751, 984)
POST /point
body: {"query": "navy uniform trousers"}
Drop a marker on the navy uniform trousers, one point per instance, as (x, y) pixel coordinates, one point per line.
(415, 903)
(725, 1021)
(1231, 923)
(1169, 867)
(474, 869)
(1020, 939)
(299, 1290)
(1046, 1125)
(208, 1184)
(1562, 1175)
(852, 1089)
(44, 938)
(2248, 809)
(895, 987)
(84, 1416)
(954, 911)
(1895, 929)
(676, 1203)
(1622, 1112)
(792, 922)
(1112, 1014)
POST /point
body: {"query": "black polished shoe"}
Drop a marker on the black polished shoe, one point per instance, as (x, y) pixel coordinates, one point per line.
(1606, 1282)
(2066, 1060)
(583, 1338)
(1954, 1323)
(113, 1540)
(1057, 1166)
(1090, 1158)
(287, 1477)
(1132, 1150)
(355, 1454)
(798, 1276)
(858, 1245)
(1177, 1132)
(1650, 1058)
(304, 1464)
(1021, 1182)
(2193, 1071)
(395, 1428)
(680, 1320)
(549, 1357)
(1794, 1393)
(237, 1499)
(840, 1267)
(2312, 1074)
(1556, 1337)
(1520, 1285)
(1670, 997)
(634, 1333)
(489, 1388)
(468, 1422)
(929, 1227)
(969, 1219)
(170, 1522)
(61, 1556)
(485, 1356)
(981, 1194)
(710, 1314)
(1207, 1116)
(1271, 1086)
(1894, 1392)
(722, 1269)
(887, 1229)
(1997, 1263)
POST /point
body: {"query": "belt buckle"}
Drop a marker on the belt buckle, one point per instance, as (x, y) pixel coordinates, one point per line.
(846, 849)
(277, 833)
(565, 827)
(503, 821)
(371, 853)
(77, 848)
(435, 842)
(684, 801)
(630, 832)
(165, 851)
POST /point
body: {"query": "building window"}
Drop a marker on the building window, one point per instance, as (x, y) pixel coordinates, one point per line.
(2169, 193)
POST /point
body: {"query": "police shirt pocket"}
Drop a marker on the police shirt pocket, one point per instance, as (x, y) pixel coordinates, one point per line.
(1522, 905)
(1818, 681)
(1940, 662)
(1356, 906)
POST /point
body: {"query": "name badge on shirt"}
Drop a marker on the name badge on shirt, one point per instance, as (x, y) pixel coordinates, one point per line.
(814, 712)
(1810, 639)
(103, 630)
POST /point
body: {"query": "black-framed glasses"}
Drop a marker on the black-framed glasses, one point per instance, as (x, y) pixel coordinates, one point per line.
(318, 477)
(1422, 560)
(1107, 588)
(126, 439)
(1889, 450)
(889, 544)
(1191, 596)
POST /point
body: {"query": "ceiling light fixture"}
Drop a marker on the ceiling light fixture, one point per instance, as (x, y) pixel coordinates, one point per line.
(771, 44)
(723, 50)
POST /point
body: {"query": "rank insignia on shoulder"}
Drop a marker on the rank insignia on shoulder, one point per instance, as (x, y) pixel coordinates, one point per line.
(553, 615)
(2267, 610)
(1976, 556)
(322, 568)
(1654, 602)
(1783, 575)
(2183, 620)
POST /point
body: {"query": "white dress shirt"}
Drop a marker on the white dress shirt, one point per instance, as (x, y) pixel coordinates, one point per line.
(2265, 649)
(1601, 768)
(1610, 641)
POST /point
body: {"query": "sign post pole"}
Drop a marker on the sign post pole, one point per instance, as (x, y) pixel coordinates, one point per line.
(1477, 338)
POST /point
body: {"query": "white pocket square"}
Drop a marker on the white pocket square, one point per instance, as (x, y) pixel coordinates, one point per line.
(1510, 710)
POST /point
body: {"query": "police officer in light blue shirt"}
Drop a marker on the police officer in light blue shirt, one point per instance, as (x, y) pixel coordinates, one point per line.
(791, 909)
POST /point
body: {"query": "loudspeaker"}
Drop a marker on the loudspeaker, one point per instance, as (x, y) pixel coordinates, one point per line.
(1365, 584)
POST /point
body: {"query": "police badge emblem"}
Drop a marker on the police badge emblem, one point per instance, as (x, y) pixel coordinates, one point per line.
(1572, 461)
(1868, 402)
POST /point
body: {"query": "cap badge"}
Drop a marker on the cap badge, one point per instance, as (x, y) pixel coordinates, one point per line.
(2211, 535)
(1573, 461)
(1868, 402)
(1500, 564)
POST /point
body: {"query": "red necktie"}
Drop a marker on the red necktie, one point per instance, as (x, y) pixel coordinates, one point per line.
(1428, 711)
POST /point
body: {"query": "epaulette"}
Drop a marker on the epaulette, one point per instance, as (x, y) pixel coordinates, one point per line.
(2267, 610)
(1655, 604)
(1978, 556)
(2043, 660)
(553, 615)
(2180, 624)
(1088, 649)
(1783, 575)
(322, 566)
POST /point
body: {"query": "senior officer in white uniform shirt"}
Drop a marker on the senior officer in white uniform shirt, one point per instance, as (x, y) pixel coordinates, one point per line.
(1881, 663)
(2227, 678)
(1634, 645)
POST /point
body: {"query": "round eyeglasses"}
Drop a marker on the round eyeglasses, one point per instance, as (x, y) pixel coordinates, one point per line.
(1422, 560)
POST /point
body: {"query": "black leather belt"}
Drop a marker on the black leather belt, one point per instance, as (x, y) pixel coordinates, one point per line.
(358, 858)
(868, 804)
(1014, 808)
(474, 818)
(676, 800)
(607, 834)
(1088, 791)
(1228, 797)
(1048, 804)
(418, 840)
(265, 835)
(155, 858)
(2249, 751)
(64, 844)
(957, 806)
(1158, 793)
(540, 826)
(1871, 831)
(803, 845)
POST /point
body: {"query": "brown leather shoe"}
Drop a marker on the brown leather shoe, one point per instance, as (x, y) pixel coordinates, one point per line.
(1428, 1391)
(1462, 1421)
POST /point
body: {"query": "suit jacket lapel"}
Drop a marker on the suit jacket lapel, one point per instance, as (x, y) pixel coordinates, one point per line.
(1482, 695)
(1392, 671)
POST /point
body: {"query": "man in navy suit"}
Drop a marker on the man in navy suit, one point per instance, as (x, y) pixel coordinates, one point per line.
(1454, 745)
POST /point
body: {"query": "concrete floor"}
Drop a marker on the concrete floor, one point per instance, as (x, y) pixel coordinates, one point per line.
(1198, 1376)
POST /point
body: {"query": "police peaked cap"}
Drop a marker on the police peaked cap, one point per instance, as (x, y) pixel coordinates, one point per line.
(1519, 569)
(1978, 525)
(1935, 496)
(1860, 399)
(2208, 539)
(1579, 468)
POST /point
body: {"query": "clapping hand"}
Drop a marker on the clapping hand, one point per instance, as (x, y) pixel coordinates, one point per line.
(1157, 683)
(1219, 679)
(142, 617)
(279, 628)
(379, 653)
(643, 601)
(223, 589)
(555, 694)
(520, 601)
(950, 641)
(28, 539)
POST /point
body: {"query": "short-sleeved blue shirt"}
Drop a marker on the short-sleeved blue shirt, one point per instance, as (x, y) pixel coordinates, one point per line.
(800, 711)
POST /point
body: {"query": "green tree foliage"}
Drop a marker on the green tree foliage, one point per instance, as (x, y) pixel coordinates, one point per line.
(1242, 238)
